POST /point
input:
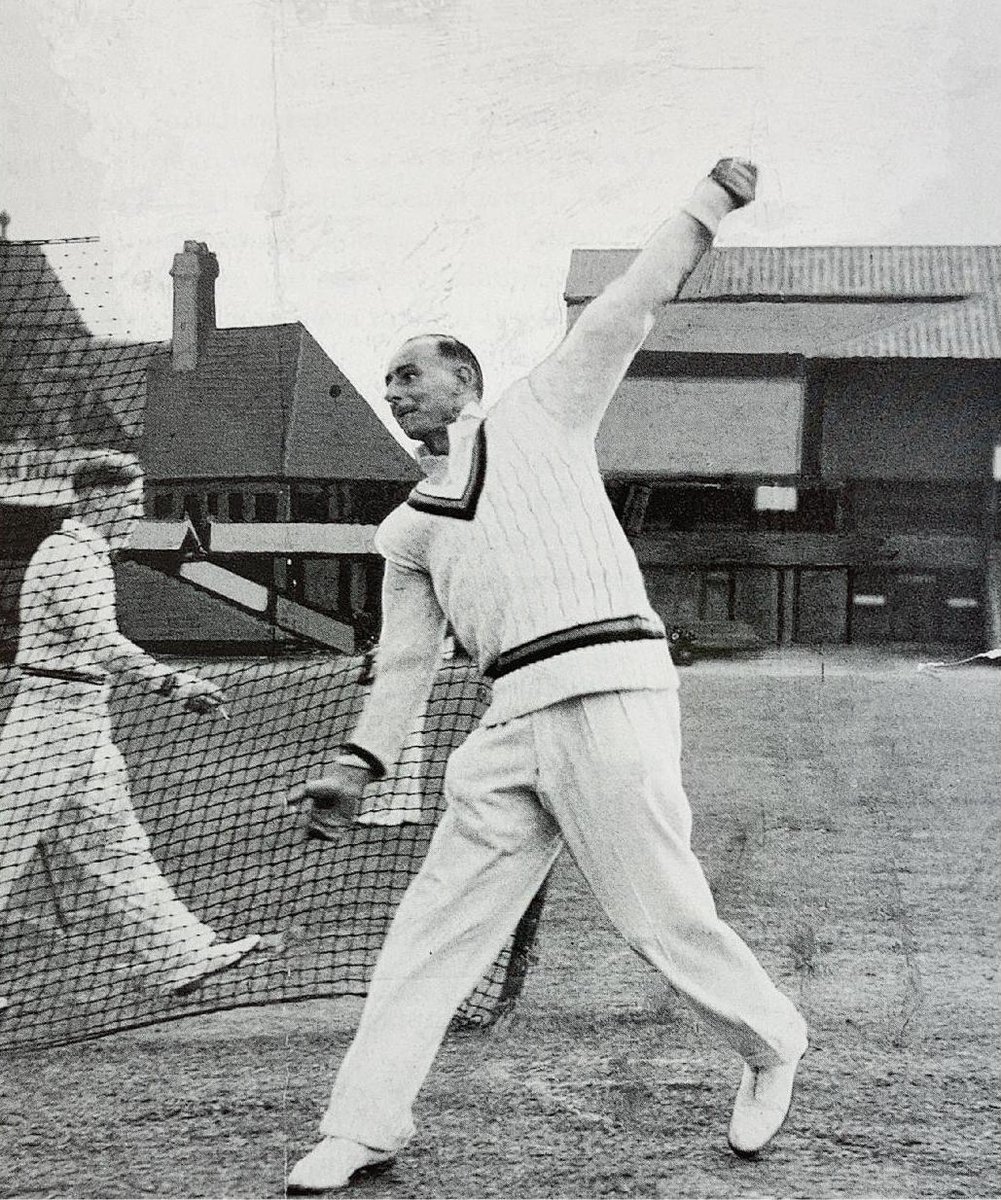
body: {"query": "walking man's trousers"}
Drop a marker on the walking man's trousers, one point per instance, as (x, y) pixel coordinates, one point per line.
(63, 779)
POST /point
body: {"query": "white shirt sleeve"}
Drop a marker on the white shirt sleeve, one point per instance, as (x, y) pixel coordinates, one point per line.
(577, 381)
(410, 650)
(69, 607)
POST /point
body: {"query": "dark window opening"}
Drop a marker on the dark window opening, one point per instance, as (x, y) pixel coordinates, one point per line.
(372, 500)
(266, 507)
(688, 507)
(234, 506)
(816, 511)
(163, 506)
(309, 504)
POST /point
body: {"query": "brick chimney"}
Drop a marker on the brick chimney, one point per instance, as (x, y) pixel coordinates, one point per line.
(194, 273)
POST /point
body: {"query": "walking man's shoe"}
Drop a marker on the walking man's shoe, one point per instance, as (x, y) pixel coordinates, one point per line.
(762, 1105)
(330, 1165)
(216, 957)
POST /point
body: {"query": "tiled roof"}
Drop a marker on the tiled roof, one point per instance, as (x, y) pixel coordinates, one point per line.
(823, 301)
(36, 312)
(60, 386)
(259, 404)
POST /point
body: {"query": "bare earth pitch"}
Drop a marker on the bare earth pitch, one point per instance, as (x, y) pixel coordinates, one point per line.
(846, 811)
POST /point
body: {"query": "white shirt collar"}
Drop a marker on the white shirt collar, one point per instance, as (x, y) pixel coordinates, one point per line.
(86, 534)
(460, 436)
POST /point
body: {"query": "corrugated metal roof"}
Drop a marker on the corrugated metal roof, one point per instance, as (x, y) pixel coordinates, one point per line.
(759, 327)
(851, 271)
(966, 329)
(823, 301)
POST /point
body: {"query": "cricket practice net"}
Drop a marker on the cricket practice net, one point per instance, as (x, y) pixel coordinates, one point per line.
(127, 820)
(210, 794)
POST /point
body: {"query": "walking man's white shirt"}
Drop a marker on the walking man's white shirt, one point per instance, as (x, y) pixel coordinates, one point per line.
(511, 539)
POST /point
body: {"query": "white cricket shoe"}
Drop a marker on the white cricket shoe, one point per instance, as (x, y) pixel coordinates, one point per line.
(762, 1105)
(329, 1166)
(216, 957)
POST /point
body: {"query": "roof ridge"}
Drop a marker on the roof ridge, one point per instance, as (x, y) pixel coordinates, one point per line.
(249, 328)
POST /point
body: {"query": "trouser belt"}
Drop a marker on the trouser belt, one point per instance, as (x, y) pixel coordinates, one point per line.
(66, 676)
(577, 637)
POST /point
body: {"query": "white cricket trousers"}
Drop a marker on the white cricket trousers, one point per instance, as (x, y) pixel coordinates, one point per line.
(63, 779)
(602, 775)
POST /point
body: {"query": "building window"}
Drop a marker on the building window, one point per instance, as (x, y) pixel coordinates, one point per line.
(809, 510)
(212, 504)
(309, 504)
(372, 500)
(234, 506)
(193, 506)
(163, 506)
(772, 498)
(266, 507)
(693, 506)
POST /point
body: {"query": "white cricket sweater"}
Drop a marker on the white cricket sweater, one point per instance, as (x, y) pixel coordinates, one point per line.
(511, 538)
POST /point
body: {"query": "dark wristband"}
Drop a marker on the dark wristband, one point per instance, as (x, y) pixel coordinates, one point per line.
(373, 763)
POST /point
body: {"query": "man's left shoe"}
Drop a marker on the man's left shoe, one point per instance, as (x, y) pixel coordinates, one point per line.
(329, 1166)
(762, 1105)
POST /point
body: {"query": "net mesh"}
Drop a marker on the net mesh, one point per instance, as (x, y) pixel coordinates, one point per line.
(145, 835)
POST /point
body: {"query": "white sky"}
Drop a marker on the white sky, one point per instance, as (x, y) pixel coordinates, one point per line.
(376, 168)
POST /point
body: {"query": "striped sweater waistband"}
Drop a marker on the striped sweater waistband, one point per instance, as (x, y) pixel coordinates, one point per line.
(576, 637)
(92, 678)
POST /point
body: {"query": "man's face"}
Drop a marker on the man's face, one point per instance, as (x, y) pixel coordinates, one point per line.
(424, 391)
(114, 512)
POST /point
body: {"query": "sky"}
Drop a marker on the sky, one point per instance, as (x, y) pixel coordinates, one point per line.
(379, 168)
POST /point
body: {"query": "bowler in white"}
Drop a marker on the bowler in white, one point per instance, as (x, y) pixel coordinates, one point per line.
(510, 539)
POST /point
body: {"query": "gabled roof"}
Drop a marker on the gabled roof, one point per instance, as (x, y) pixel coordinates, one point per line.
(36, 312)
(259, 404)
(823, 301)
(59, 385)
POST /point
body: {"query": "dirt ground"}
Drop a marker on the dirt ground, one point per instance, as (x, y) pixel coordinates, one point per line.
(846, 812)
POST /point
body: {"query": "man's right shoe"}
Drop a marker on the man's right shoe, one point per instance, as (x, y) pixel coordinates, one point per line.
(328, 1167)
(762, 1105)
(216, 957)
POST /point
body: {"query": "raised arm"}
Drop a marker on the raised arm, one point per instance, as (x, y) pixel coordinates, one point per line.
(577, 381)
